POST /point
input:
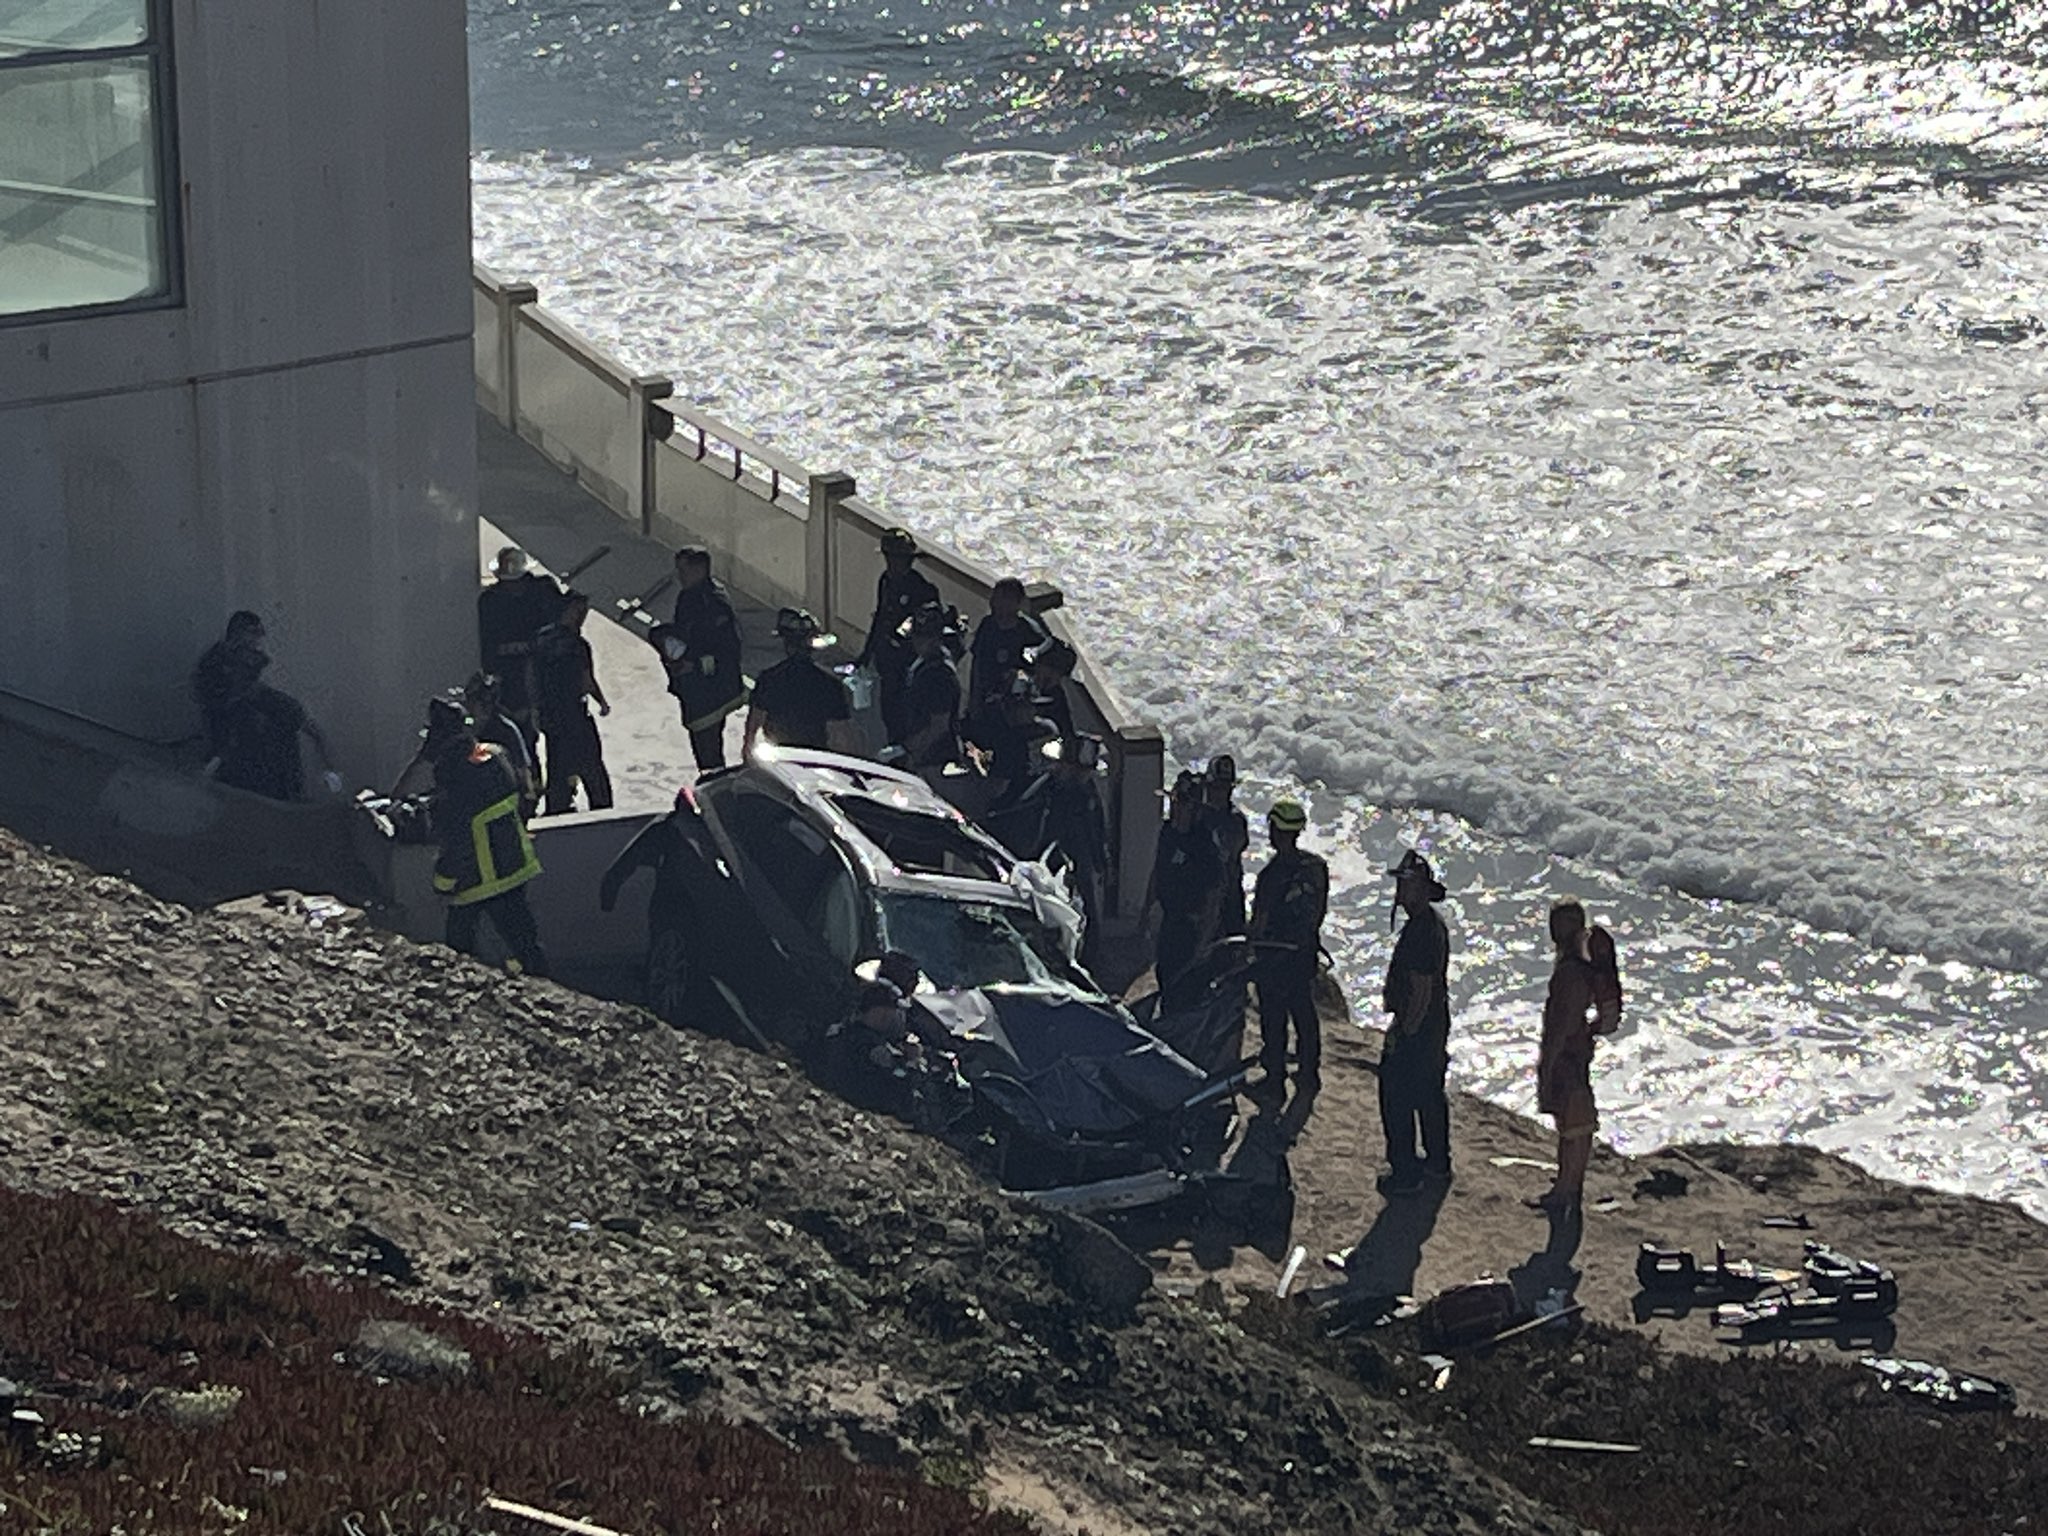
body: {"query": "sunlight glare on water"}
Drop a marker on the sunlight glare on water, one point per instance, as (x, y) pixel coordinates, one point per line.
(1632, 455)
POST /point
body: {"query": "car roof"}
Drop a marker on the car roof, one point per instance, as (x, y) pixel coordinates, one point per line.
(820, 782)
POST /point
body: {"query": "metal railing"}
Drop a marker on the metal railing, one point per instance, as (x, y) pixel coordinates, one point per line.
(777, 530)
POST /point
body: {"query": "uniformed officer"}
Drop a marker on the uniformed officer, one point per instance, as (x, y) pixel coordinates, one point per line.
(1076, 825)
(1186, 877)
(1001, 642)
(931, 694)
(510, 614)
(486, 857)
(796, 701)
(1288, 906)
(482, 699)
(900, 591)
(1233, 836)
(1052, 664)
(701, 652)
(565, 671)
(1414, 1110)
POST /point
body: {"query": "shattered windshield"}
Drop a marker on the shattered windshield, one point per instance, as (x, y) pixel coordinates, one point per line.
(965, 944)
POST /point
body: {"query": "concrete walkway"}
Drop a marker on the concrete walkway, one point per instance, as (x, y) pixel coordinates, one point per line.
(525, 500)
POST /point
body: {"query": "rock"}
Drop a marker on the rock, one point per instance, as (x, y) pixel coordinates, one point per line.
(384, 1255)
(1097, 1270)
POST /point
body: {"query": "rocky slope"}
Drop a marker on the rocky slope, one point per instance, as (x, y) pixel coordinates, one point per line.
(740, 1240)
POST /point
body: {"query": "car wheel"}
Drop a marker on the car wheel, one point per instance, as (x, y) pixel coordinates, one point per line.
(671, 975)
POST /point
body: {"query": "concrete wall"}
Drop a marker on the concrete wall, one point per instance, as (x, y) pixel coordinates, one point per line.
(298, 436)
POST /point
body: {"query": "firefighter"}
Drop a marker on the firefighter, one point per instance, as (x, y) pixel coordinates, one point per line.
(481, 697)
(565, 673)
(510, 613)
(1052, 667)
(1414, 1110)
(1186, 875)
(1233, 836)
(486, 857)
(1001, 642)
(930, 706)
(796, 702)
(1076, 825)
(1288, 905)
(901, 591)
(701, 652)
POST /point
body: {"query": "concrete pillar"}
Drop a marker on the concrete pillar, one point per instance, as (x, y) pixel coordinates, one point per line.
(1042, 597)
(654, 425)
(820, 576)
(1137, 779)
(512, 298)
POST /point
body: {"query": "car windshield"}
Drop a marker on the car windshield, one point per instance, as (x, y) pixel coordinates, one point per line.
(920, 842)
(965, 944)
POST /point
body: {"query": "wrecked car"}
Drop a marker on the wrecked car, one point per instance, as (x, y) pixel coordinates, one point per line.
(775, 881)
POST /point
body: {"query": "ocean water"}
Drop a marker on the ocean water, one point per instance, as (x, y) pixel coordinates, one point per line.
(1600, 441)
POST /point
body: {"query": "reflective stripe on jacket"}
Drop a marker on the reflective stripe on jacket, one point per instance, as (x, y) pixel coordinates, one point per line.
(485, 849)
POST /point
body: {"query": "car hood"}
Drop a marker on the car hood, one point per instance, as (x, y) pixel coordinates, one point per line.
(1066, 1063)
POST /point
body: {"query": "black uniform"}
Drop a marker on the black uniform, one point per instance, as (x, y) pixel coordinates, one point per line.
(997, 655)
(707, 679)
(1412, 1067)
(897, 597)
(1075, 824)
(1288, 906)
(932, 688)
(1233, 836)
(1013, 747)
(486, 857)
(1185, 875)
(223, 678)
(799, 700)
(562, 663)
(259, 749)
(509, 616)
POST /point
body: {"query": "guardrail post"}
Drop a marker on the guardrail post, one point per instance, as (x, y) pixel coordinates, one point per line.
(653, 426)
(1140, 762)
(512, 298)
(1042, 597)
(820, 561)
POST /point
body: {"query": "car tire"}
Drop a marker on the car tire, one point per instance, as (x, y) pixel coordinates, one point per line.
(672, 975)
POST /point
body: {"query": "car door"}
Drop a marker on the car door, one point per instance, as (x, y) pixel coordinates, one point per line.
(799, 882)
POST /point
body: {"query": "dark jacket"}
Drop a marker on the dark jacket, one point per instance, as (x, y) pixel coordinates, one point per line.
(799, 700)
(484, 847)
(1290, 900)
(896, 599)
(998, 655)
(707, 678)
(1187, 871)
(509, 614)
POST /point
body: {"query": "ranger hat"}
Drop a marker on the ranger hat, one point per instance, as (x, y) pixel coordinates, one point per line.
(900, 541)
(1288, 816)
(1414, 866)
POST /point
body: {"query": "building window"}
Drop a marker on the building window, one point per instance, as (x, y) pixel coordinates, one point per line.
(85, 156)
